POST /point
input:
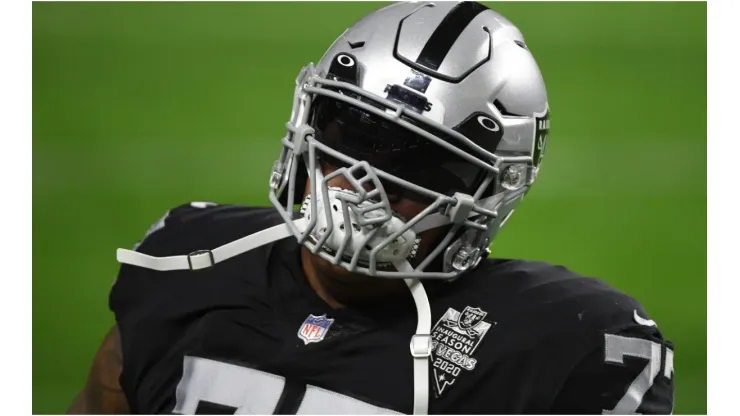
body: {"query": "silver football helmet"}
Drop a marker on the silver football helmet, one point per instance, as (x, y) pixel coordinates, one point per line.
(441, 102)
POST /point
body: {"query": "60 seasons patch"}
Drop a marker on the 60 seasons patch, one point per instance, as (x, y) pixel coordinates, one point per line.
(454, 339)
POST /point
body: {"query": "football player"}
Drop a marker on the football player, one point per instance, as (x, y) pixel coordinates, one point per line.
(366, 287)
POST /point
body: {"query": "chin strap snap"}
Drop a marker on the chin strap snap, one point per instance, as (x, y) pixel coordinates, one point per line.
(421, 341)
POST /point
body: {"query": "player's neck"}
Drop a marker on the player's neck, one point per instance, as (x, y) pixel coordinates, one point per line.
(316, 282)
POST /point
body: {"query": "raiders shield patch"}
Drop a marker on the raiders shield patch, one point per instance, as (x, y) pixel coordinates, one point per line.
(455, 337)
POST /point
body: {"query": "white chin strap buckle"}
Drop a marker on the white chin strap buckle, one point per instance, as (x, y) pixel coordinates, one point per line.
(201, 259)
(362, 238)
(421, 345)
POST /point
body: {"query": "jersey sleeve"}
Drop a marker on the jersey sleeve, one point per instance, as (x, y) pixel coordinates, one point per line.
(629, 372)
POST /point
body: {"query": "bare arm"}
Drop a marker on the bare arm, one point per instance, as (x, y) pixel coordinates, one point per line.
(102, 393)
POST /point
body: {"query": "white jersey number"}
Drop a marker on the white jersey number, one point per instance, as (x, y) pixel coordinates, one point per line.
(617, 347)
(254, 392)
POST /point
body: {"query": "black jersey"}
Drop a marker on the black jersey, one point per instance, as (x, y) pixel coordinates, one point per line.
(250, 336)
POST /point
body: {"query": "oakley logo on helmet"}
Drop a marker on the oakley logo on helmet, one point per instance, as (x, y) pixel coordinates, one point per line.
(346, 60)
(488, 124)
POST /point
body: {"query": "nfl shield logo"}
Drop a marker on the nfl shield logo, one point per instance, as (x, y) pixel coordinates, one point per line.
(470, 317)
(314, 328)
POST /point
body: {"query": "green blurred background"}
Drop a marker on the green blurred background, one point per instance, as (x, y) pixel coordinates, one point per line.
(138, 107)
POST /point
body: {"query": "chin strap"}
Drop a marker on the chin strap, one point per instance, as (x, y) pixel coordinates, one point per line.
(203, 259)
(421, 341)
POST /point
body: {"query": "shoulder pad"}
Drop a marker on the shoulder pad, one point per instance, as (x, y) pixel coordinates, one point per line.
(589, 302)
(203, 225)
(176, 215)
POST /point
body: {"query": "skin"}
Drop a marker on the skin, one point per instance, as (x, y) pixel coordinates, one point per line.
(102, 393)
